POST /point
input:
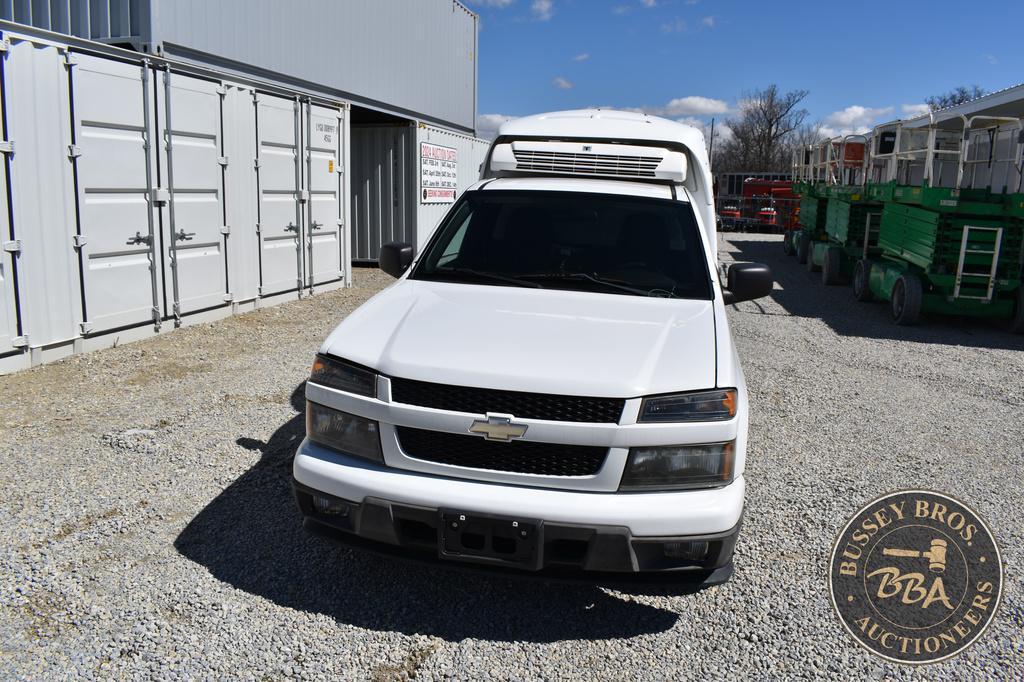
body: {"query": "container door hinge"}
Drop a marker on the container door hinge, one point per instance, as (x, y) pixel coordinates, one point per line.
(80, 240)
(7, 147)
(256, 162)
(222, 160)
(226, 229)
(13, 246)
(161, 196)
(156, 318)
(228, 298)
(222, 90)
(70, 58)
(303, 196)
(257, 228)
(74, 151)
(5, 45)
(340, 222)
(86, 327)
(20, 341)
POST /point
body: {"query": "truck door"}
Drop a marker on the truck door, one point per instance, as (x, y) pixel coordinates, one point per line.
(279, 174)
(192, 171)
(323, 138)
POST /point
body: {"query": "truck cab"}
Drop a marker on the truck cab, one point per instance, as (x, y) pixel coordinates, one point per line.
(550, 386)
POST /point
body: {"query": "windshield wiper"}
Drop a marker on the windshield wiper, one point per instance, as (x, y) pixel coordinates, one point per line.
(482, 274)
(611, 283)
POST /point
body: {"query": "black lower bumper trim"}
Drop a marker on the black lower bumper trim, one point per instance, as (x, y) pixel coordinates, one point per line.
(561, 551)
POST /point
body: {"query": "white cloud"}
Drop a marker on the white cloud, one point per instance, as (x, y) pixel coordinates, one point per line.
(562, 83)
(853, 120)
(487, 124)
(677, 25)
(912, 110)
(694, 105)
(708, 22)
(542, 9)
(991, 59)
(649, 3)
(581, 57)
(500, 4)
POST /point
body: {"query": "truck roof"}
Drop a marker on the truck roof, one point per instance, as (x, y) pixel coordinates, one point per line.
(604, 123)
(596, 185)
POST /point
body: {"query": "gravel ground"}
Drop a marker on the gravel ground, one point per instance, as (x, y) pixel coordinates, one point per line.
(148, 528)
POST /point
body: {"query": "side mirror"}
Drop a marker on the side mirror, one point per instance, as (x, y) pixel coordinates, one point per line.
(747, 281)
(395, 258)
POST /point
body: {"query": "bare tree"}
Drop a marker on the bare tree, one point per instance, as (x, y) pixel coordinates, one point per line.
(957, 95)
(761, 134)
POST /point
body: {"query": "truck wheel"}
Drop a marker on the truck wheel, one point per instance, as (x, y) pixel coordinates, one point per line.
(831, 271)
(811, 265)
(906, 300)
(803, 243)
(787, 243)
(1017, 324)
(861, 281)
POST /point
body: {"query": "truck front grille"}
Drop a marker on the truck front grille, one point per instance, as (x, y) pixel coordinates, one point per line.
(522, 457)
(559, 408)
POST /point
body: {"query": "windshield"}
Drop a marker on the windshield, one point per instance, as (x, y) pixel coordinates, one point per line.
(626, 245)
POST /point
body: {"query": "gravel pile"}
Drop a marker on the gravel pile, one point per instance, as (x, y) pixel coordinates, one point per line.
(148, 529)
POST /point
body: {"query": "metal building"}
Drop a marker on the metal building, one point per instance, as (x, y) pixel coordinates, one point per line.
(173, 161)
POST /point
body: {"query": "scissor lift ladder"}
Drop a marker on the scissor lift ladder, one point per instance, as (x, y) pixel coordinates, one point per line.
(968, 247)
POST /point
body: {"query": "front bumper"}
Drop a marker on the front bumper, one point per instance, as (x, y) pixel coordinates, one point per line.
(621, 533)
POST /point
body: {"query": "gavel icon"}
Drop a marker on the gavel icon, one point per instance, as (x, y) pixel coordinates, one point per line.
(936, 555)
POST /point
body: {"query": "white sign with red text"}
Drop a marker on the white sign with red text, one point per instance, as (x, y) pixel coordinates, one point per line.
(439, 173)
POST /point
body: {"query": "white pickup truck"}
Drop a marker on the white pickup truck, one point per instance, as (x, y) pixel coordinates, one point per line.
(551, 385)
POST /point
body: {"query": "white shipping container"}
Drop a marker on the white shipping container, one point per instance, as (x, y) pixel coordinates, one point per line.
(145, 194)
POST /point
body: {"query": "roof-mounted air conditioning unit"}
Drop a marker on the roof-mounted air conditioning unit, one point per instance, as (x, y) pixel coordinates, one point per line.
(588, 159)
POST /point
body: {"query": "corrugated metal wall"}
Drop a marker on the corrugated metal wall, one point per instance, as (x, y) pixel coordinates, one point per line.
(144, 195)
(412, 57)
(383, 188)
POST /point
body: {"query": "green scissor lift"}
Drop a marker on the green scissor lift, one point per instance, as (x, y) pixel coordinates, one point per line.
(947, 251)
(812, 221)
(851, 233)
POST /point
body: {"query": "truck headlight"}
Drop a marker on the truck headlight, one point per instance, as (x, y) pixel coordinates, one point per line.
(343, 376)
(673, 467)
(701, 406)
(343, 432)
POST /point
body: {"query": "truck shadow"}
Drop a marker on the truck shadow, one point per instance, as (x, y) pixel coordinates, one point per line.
(803, 295)
(251, 537)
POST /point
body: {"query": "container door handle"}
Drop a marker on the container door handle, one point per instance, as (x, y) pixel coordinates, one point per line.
(291, 227)
(140, 238)
(316, 226)
(184, 236)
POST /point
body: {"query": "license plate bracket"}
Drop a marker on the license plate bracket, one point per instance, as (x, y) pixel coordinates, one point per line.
(488, 539)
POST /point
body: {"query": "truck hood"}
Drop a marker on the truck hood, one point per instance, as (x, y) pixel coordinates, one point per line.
(542, 341)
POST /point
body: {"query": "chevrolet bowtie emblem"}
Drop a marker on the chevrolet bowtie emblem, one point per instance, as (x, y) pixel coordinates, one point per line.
(497, 427)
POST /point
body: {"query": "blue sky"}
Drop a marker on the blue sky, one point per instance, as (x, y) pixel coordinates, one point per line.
(863, 62)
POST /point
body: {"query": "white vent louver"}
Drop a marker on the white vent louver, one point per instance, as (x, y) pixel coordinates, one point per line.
(587, 163)
(596, 159)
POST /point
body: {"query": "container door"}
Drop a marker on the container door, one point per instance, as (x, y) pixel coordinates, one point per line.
(192, 171)
(323, 140)
(113, 128)
(8, 309)
(279, 176)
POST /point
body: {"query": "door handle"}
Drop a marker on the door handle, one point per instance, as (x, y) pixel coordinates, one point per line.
(291, 227)
(315, 225)
(140, 238)
(184, 236)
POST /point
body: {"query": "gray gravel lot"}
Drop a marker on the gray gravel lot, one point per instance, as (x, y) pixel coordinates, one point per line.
(148, 528)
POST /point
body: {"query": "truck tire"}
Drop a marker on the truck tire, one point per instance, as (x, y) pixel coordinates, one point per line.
(787, 243)
(1017, 323)
(803, 243)
(906, 300)
(832, 270)
(862, 281)
(811, 265)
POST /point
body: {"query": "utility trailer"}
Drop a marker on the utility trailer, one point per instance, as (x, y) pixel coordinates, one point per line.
(952, 250)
